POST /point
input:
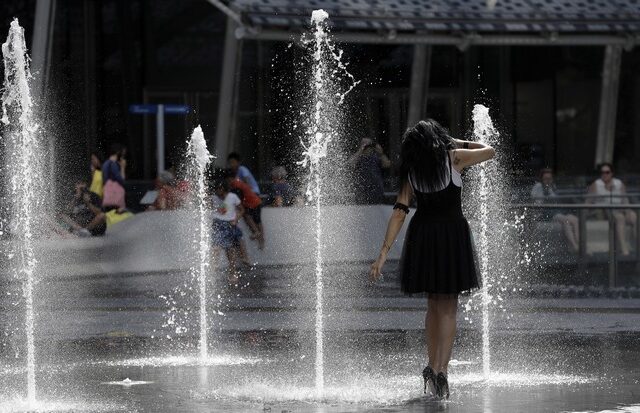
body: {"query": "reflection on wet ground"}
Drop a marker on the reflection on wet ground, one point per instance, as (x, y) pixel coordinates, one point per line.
(104, 344)
(563, 372)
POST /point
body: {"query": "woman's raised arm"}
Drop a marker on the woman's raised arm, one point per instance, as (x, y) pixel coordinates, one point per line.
(475, 153)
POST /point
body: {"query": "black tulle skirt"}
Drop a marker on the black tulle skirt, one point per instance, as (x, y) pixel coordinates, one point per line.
(438, 257)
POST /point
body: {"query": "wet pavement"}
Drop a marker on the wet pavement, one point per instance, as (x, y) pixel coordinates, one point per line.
(128, 343)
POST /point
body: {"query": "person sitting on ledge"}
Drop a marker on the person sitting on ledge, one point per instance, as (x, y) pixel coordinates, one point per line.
(83, 214)
(544, 191)
(281, 194)
(611, 190)
(96, 175)
(170, 196)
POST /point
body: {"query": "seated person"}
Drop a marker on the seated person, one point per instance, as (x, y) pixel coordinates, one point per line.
(544, 192)
(170, 196)
(96, 175)
(83, 214)
(281, 194)
(611, 190)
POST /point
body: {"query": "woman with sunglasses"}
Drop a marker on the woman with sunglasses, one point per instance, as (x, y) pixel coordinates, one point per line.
(611, 190)
(438, 256)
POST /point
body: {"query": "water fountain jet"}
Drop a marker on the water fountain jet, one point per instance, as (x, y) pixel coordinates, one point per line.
(484, 131)
(24, 170)
(322, 129)
(198, 158)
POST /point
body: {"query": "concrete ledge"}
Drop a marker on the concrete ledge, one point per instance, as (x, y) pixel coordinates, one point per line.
(162, 241)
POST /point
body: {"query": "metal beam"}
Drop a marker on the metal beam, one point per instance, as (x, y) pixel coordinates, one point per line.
(160, 139)
(41, 46)
(608, 104)
(40, 63)
(91, 19)
(226, 10)
(418, 90)
(461, 41)
(225, 127)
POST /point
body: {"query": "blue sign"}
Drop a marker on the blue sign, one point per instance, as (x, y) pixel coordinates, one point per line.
(176, 109)
(152, 109)
(143, 109)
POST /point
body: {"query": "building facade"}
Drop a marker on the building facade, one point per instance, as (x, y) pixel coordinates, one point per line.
(560, 78)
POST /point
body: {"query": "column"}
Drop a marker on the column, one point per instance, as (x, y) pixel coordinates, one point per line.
(225, 127)
(419, 87)
(608, 104)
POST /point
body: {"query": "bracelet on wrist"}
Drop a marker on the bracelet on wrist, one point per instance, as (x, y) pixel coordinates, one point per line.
(401, 207)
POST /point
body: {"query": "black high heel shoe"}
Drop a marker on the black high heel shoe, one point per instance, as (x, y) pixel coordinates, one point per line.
(429, 376)
(442, 386)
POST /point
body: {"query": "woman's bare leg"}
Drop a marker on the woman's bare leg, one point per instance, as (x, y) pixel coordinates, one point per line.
(431, 332)
(621, 228)
(632, 219)
(447, 325)
(575, 223)
(567, 230)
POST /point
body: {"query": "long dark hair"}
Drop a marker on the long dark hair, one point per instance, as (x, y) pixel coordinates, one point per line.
(423, 156)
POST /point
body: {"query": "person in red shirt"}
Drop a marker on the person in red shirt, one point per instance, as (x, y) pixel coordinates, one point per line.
(170, 195)
(252, 204)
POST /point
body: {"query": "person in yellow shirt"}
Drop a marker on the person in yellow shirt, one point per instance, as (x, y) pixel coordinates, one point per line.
(96, 176)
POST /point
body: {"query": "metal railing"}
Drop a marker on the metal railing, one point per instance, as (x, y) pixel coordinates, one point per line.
(583, 209)
(628, 195)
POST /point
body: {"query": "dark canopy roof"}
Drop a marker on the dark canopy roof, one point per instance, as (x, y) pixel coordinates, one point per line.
(449, 16)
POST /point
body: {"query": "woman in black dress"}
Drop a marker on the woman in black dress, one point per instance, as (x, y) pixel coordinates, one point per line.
(438, 256)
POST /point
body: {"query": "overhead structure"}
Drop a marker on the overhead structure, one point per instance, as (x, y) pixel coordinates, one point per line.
(42, 44)
(614, 24)
(460, 22)
(608, 104)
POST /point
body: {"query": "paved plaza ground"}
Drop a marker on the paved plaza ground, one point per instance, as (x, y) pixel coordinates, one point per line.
(128, 343)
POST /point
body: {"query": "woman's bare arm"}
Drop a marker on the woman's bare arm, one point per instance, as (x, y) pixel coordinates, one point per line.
(470, 144)
(623, 191)
(393, 228)
(591, 190)
(478, 152)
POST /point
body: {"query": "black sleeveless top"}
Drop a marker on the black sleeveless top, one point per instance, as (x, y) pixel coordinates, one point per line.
(438, 255)
(445, 204)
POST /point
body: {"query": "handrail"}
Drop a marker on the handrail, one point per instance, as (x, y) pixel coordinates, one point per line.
(575, 206)
(391, 194)
(565, 196)
(582, 215)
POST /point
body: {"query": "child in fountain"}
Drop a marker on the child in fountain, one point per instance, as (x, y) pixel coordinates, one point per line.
(438, 256)
(227, 212)
(243, 173)
(252, 205)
